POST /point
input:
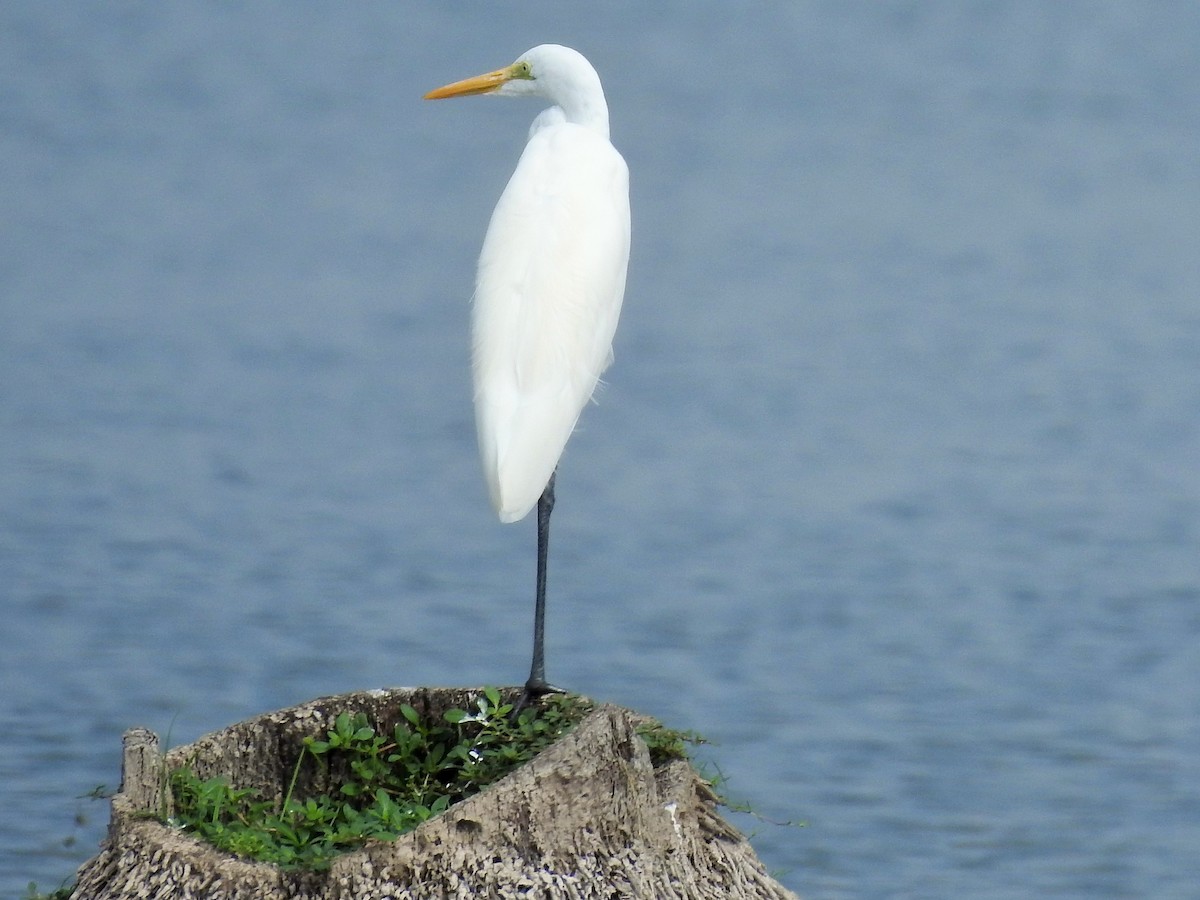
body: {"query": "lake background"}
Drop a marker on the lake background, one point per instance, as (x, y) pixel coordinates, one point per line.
(893, 493)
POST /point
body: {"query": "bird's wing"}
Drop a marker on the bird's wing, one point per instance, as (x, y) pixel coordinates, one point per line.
(548, 294)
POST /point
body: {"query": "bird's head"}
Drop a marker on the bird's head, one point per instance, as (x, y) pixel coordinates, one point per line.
(559, 74)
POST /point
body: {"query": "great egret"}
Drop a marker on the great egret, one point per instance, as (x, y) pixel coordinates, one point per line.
(548, 291)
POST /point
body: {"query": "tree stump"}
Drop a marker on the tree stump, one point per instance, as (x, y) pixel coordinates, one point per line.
(588, 818)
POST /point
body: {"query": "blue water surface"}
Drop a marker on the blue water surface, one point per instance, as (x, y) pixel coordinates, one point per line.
(893, 492)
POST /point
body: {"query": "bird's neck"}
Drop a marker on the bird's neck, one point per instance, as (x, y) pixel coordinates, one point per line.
(589, 111)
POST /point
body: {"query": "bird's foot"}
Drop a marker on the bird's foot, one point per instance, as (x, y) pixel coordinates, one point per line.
(533, 692)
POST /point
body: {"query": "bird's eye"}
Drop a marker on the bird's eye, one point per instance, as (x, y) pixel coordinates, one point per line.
(523, 70)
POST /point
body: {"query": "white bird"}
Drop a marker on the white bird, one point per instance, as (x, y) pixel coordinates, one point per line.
(548, 291)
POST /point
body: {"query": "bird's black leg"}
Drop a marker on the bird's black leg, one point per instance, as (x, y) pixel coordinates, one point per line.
(537, 686)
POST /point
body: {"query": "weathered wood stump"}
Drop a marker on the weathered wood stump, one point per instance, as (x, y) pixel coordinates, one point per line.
(588, 818)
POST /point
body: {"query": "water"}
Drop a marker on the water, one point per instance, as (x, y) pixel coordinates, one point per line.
(893, 492)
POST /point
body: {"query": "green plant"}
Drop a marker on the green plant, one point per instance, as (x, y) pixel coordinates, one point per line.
(62, 893)
(386, 783)
(666, 744)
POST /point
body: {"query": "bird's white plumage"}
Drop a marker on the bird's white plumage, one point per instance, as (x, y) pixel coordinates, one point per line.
(548, 294)
(551, 275)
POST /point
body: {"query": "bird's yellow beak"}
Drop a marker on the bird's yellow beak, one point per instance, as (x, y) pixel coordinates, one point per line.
(480, 84)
